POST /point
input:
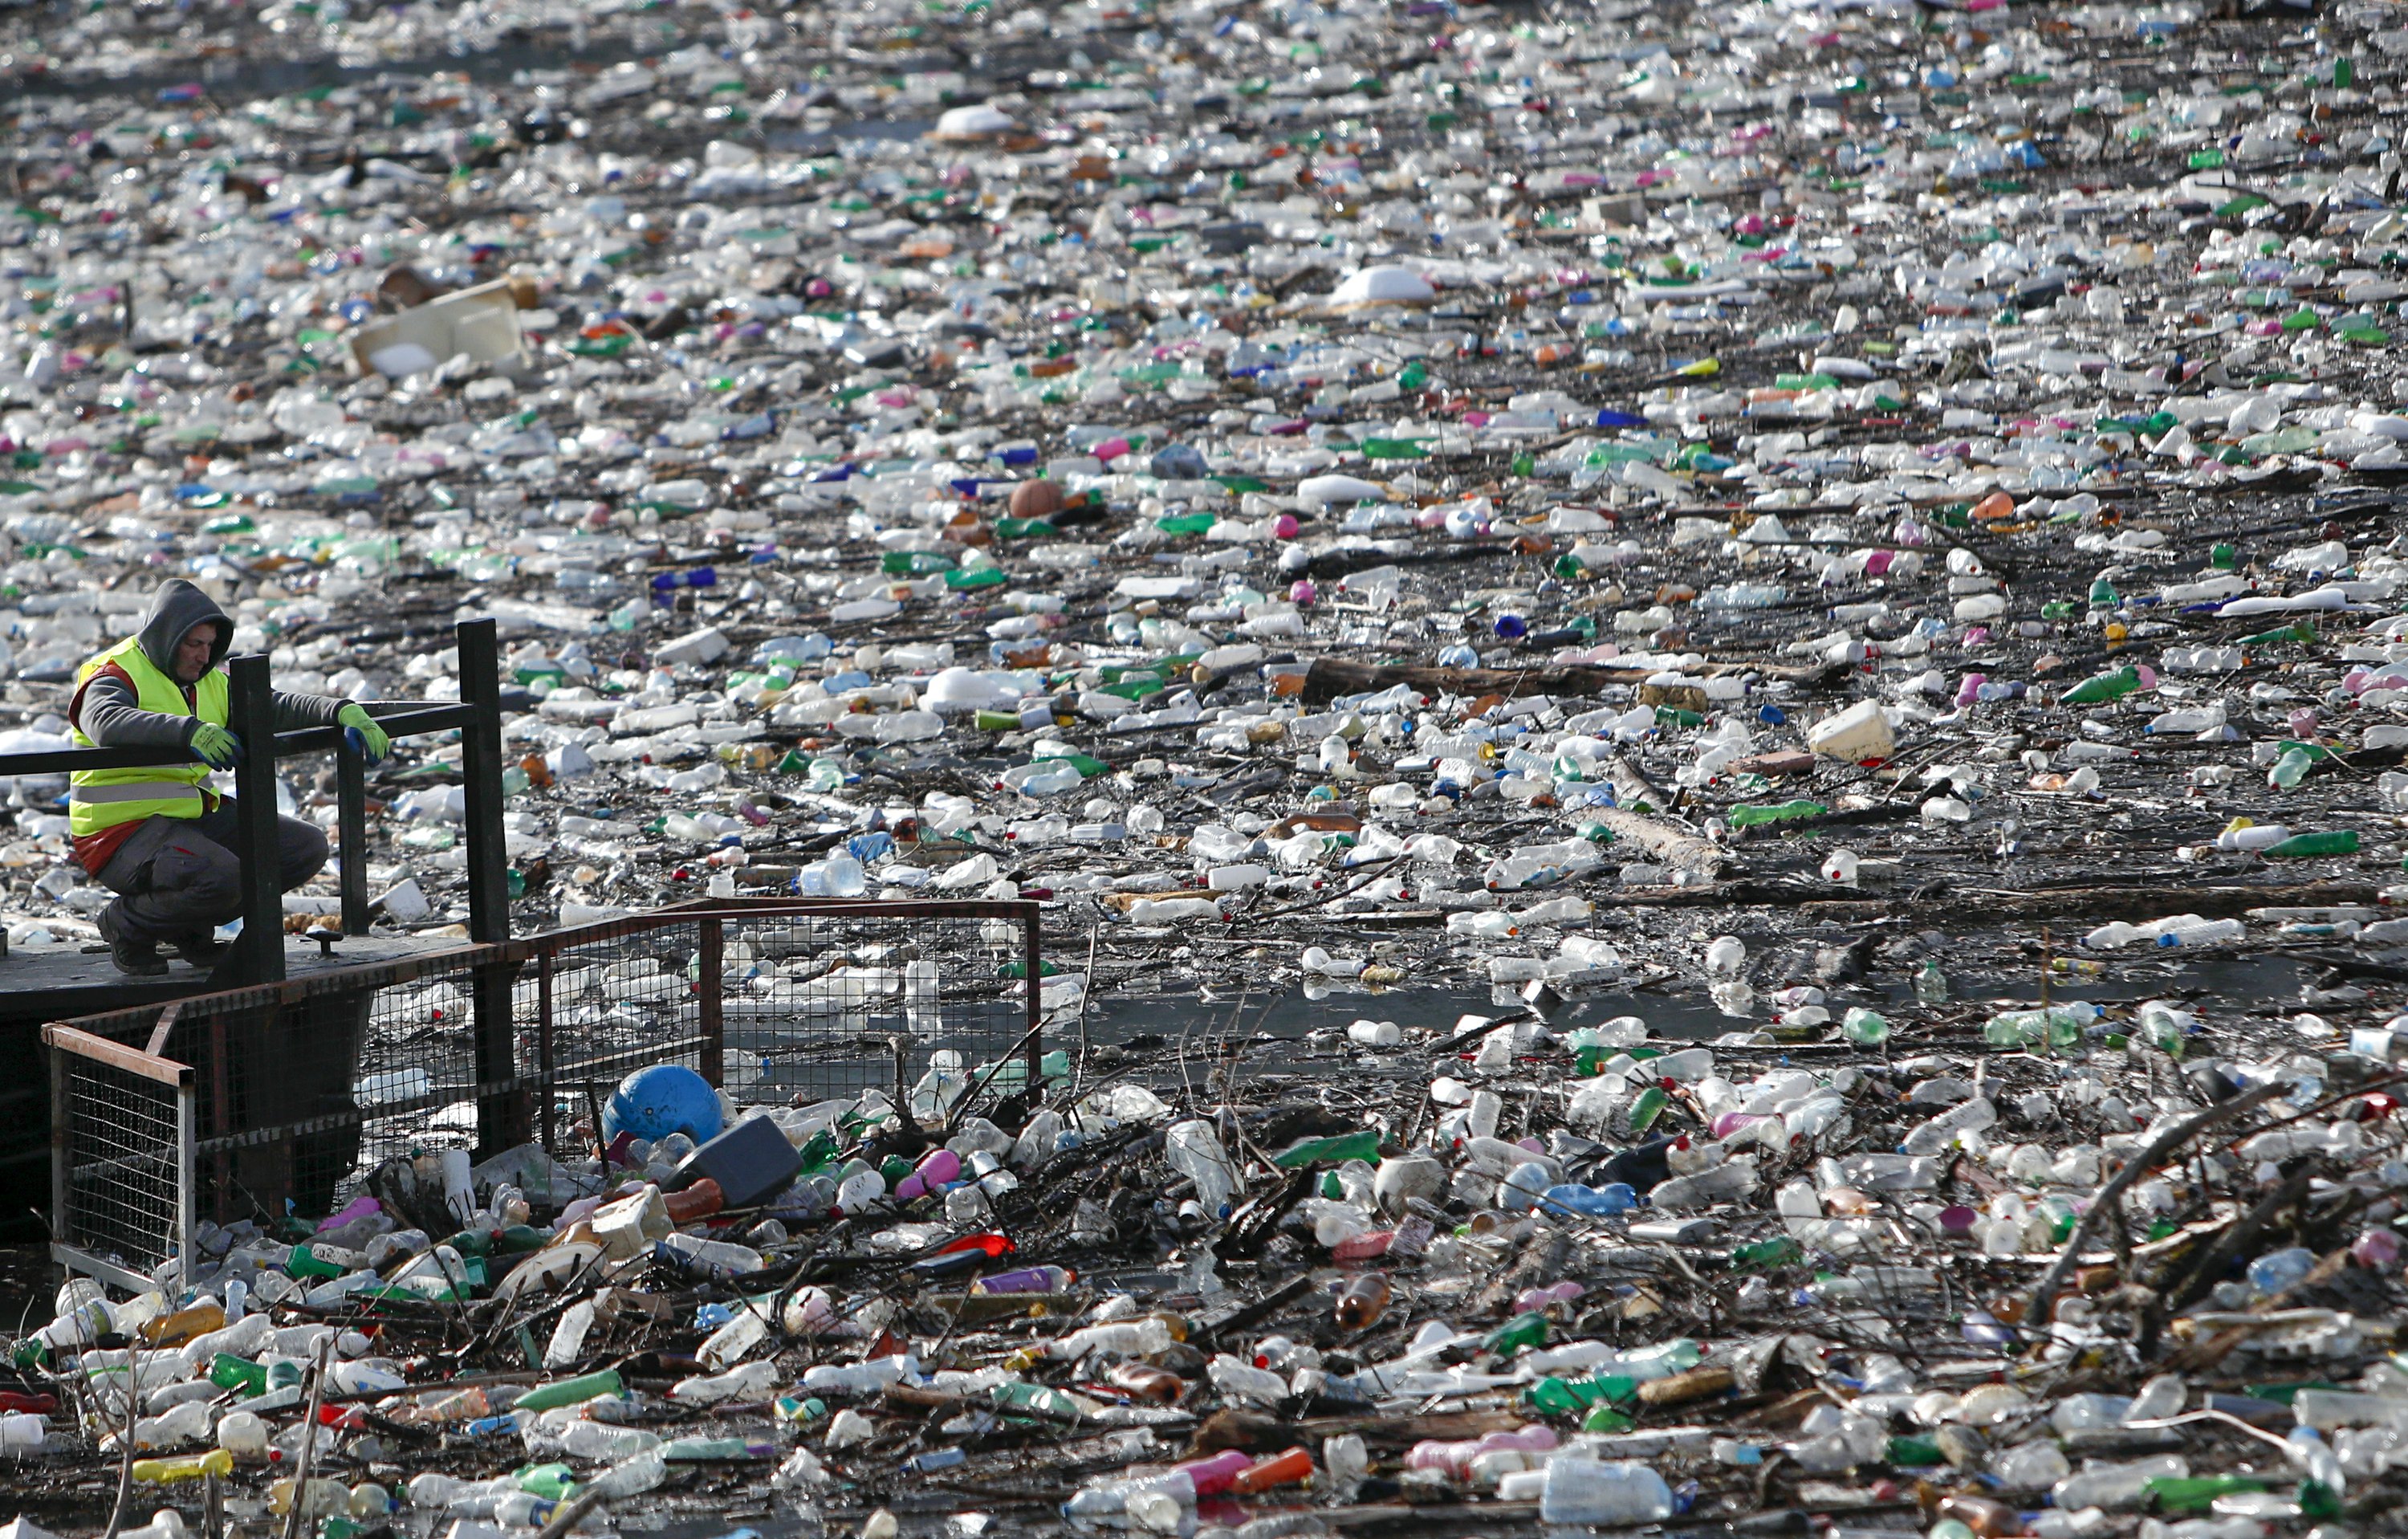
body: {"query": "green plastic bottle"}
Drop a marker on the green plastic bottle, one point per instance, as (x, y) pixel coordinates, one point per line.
(2305, 846)
(2104, 596)
(1780, 812)
(2302, 630)
(1515, 1335)
(1864, 1027)
(2194, 1493)
(576, 1391)
(1185, 524)
(1364, 1145)
(312, 1262)
(1017, 1396)
(548, 1482)
(228, 1372)
(1647, 1106)
(1912, 1453)
(1779, 1251)
(818, 1151)
(2289, 769)
(2102, 687)
(1563, 1397)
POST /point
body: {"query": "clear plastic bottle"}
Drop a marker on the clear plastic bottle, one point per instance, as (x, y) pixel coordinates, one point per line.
(718, 1256)
(1725, 1183)
(632, 1476)
(1193, 1150)
(1969, 1116)
(584, 1439)
(2098, 1485)
(1596, 1493)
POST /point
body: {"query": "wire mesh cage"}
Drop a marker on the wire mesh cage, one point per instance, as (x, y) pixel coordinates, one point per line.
(295, 1092)
(122, 1137)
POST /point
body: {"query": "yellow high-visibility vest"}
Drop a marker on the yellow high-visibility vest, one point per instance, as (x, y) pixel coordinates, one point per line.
(102, 799)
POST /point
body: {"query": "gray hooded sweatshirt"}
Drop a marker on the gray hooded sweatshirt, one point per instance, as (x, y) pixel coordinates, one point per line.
(109, 711)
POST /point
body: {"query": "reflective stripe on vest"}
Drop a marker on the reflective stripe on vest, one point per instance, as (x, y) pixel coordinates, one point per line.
(99, 799)
(140, 790)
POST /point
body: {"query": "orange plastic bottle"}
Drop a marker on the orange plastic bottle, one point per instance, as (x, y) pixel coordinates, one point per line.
(1363, 1302)
(699, 1200)
(1146, 1382)
(1989, 1518)
(1283, 1469)
(183, 1325)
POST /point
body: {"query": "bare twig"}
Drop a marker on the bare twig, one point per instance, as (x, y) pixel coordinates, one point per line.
(309, 1442)
(2142, 1161)
(125, 1454)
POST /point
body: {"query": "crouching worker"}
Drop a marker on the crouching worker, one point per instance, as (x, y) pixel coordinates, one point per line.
(153, 834)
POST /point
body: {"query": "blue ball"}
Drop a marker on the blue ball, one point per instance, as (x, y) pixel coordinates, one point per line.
(666, 1098)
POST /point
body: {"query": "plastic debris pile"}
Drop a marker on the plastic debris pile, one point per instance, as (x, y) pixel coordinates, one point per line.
(1832, 571)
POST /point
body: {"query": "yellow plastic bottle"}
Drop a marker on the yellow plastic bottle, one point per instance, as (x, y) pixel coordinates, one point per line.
(161, 1472)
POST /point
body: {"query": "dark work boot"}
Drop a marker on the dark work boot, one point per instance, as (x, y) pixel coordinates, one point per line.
(199, 948)
(135, 958)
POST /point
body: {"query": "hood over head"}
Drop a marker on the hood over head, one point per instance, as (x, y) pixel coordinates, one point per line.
(175, 609)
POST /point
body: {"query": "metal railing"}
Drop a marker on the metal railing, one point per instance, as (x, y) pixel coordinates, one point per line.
(291, 1092)
(258, 954)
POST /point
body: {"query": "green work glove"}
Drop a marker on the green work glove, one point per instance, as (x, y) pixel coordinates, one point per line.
(217, 747)
(366, 735)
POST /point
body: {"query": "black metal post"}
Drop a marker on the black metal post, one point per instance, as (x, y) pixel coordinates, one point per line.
(711, 965)
(1033, 943)
(258, 954)
(502, 1120)
(351, 828)
(481, 768)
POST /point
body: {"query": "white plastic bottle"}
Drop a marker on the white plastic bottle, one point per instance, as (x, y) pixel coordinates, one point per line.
(243, 1435)
(728, 1345)
(568, 1342)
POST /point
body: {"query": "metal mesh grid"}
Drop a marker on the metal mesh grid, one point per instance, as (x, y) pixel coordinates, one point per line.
(121, 1169)
(813, 1003)
(587, 1012)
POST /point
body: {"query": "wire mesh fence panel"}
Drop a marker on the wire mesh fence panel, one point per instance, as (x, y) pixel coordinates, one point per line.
(833, 1003)
(123, 1140)
(414, 1079)
(588, 1010)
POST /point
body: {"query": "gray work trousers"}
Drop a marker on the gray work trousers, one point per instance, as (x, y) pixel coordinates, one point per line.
(174, 876)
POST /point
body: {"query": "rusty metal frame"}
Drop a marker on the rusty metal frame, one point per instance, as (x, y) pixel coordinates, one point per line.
(66, 1041)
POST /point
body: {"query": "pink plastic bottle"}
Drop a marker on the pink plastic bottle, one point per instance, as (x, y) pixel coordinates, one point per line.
(938, 1167)
(1218, 1474)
